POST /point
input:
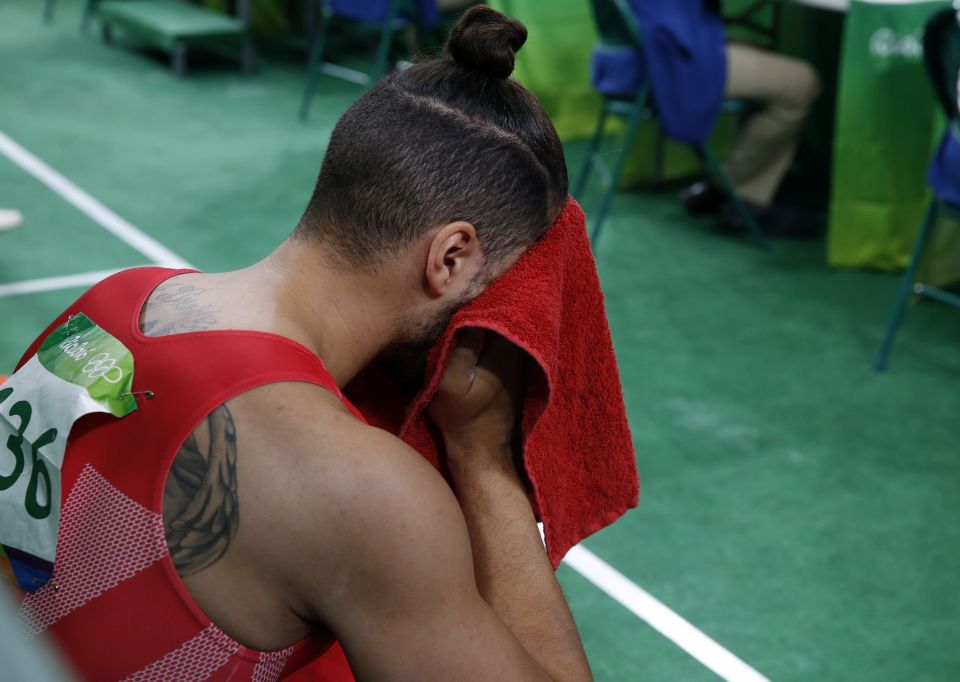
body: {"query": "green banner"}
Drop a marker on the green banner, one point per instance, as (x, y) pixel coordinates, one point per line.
(554, 64)
(887, 128)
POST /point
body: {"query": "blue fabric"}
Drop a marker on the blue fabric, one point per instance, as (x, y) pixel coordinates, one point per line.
(375, 11)
(944, 172)
(617, 72)
(683, 56)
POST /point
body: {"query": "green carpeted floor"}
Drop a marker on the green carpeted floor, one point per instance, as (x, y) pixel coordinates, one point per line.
(797, 507)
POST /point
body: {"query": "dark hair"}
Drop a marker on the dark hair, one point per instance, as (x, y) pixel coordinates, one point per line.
(447, 139)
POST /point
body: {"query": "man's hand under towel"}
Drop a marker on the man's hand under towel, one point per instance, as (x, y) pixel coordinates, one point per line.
(477, 408)
(479, 399)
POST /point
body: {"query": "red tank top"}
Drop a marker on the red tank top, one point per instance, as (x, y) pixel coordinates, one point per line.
(116, 605)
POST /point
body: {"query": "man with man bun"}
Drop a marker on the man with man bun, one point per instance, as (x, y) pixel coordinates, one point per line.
(246, 517)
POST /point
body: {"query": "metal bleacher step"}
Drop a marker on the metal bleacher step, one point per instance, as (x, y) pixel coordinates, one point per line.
(174, 26)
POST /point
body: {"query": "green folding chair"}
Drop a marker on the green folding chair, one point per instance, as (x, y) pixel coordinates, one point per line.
(393, 20)
(941, 49)
(618, 29)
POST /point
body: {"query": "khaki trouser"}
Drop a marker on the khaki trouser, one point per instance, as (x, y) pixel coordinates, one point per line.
(785, 89)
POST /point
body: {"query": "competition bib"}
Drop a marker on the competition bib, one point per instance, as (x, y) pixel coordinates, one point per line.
(79, 369)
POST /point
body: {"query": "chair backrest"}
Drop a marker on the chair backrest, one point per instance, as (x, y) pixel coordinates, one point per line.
(379, 11)
(373, 11)
(941, 53)
(616, 24)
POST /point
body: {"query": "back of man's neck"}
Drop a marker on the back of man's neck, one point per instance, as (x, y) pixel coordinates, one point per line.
(325, 308)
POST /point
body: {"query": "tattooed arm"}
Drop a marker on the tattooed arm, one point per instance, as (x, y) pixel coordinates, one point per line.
(349, 533)
(373, 545)
(201, 514)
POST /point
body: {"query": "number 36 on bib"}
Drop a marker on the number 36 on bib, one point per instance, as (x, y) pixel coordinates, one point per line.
(79, 369)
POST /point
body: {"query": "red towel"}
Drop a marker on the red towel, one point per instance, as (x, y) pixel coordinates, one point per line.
(577, 447)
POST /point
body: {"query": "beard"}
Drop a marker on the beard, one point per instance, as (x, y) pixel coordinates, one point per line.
(406, 360)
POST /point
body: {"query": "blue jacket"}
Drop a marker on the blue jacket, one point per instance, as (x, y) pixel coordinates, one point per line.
(375, 11)
(944, 172)
(684, 58)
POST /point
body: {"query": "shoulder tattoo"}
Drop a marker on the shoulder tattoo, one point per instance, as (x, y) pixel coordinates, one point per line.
(176, 308)
(201, 511)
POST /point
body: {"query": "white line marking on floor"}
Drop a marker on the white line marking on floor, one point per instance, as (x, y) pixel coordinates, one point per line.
(106, 218)
(660, 617)
(32, 286)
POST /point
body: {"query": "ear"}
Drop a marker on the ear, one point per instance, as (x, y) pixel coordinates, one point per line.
(453, 259)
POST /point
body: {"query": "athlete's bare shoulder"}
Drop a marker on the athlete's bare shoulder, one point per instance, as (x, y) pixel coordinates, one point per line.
(296, 446)
(248, 444)
(304, 436)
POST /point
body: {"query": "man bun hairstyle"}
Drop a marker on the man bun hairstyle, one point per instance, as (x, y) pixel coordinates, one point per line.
(450, 138)
(486, 42)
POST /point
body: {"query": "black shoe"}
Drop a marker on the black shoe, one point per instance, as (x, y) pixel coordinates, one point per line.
(703, 198)
(788, 222)
(730, 220)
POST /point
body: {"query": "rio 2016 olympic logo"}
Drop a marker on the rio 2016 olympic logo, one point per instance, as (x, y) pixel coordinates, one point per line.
(102, 366)
(885, 42)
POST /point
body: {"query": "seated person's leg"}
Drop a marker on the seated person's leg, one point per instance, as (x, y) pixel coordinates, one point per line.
(784, 88)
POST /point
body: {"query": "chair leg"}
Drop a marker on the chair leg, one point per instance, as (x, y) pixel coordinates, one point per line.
(311, 10)
(906, 288)
(386, 40)
(633, 123)
(714, 168)
(588, 160)
(88, 11)
(248, 55)
(659, 156)
(178, 59)
(427, 39)
(313, 65)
